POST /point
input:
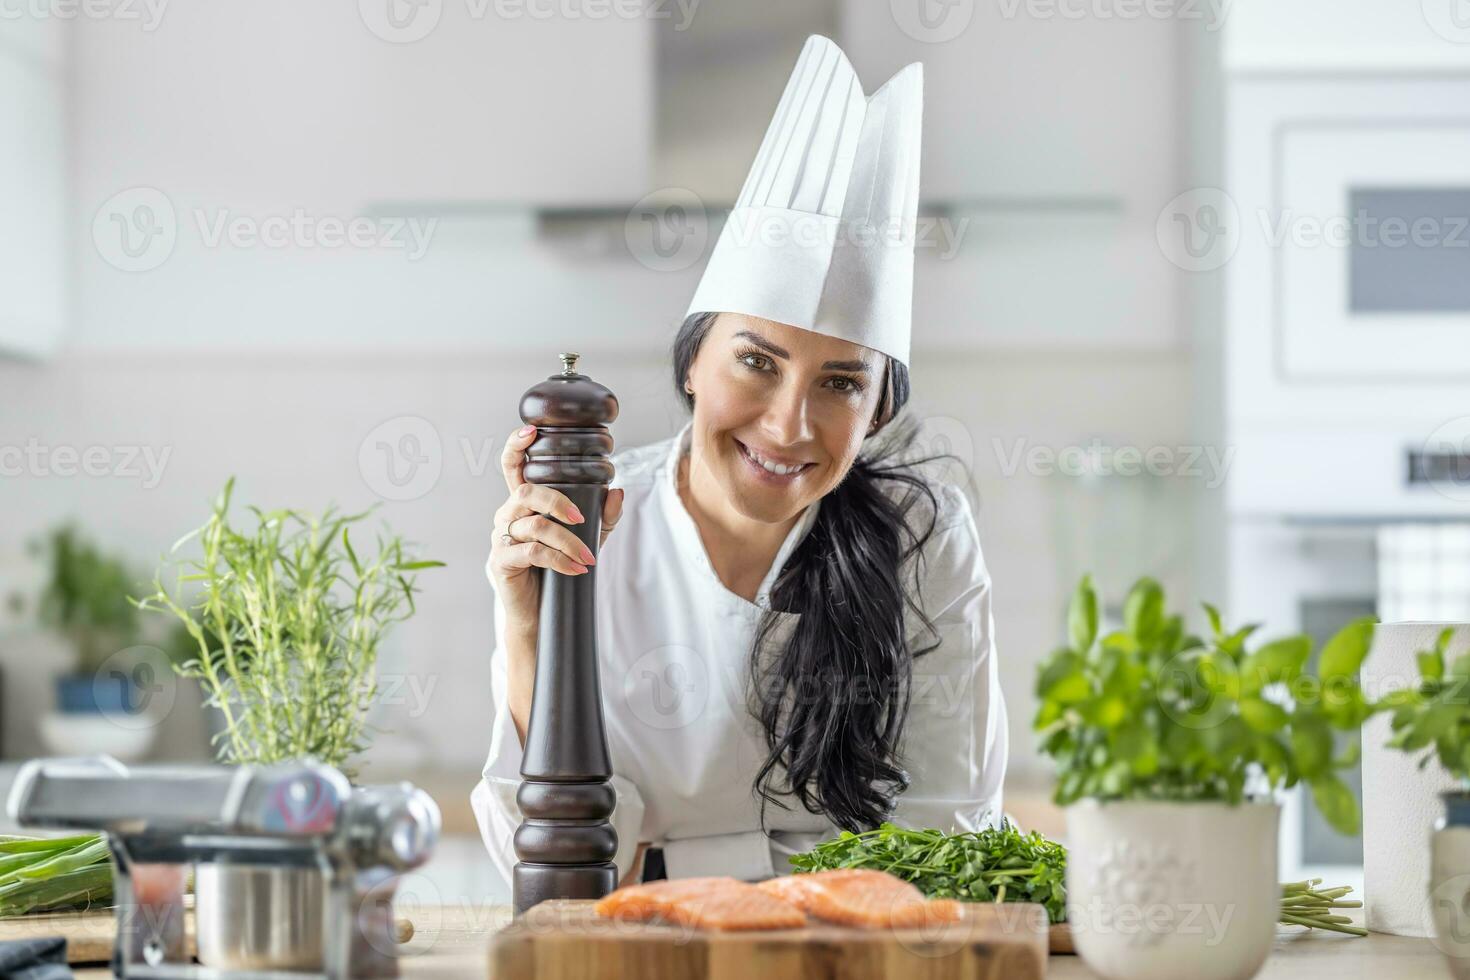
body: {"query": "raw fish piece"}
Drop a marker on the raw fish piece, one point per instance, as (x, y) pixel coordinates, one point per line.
(863, 898)
(703, 903)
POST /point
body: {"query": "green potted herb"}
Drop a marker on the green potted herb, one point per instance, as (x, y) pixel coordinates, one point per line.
(1167, 747)
(86, 600)
(287, 616)
(99, 706)
(1431, 719)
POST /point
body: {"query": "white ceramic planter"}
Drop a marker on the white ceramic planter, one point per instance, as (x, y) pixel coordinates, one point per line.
(1449, 886)
(1163, 891)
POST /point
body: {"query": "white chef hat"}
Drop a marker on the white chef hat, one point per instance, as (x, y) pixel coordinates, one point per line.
(822, 235)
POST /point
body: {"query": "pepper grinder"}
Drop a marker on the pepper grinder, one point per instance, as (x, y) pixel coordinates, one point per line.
(565, 843)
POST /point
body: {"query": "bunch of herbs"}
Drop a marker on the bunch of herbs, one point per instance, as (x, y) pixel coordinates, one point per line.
(286, 619)
(991, 865)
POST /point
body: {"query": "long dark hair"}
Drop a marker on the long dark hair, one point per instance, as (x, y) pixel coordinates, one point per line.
(832, 701)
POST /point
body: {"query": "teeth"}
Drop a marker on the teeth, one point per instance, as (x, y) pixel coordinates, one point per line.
(776, 468)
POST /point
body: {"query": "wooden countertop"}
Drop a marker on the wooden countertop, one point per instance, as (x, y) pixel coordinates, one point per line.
(451, 942)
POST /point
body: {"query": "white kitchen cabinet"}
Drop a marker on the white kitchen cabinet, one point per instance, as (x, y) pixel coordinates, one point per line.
(32, 193)
(40, 40)
(280, 104)
(1028, 101)
(1054, 142)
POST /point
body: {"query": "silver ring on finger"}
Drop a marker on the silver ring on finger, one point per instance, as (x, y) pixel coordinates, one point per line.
(506, 539)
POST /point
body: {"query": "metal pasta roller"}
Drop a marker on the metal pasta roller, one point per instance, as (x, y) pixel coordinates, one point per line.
(294, 868)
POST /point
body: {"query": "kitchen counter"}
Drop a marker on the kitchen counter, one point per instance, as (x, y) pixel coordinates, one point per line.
(1303, 955)
(451, 942)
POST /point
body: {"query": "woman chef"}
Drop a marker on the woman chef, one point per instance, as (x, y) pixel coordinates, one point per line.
(794, 626)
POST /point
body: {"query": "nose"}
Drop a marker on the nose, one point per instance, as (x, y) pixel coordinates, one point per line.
(787, 419)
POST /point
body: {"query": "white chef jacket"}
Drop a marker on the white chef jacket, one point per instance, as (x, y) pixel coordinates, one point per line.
(674, 648)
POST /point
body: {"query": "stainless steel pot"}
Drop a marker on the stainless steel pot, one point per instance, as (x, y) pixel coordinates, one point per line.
(251, 917)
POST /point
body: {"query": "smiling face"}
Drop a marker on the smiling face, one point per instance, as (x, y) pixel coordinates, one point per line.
(780, 412)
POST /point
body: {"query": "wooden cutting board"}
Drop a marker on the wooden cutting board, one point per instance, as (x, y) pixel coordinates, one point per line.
(89, 935)
(567, 941)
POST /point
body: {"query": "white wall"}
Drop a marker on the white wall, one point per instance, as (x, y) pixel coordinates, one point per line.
(275, 364)
(291, 430)
(1313, 35)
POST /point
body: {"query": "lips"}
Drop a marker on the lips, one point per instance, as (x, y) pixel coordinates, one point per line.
(770, 467)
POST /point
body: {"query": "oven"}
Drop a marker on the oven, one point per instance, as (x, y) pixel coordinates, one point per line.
(1371, 233)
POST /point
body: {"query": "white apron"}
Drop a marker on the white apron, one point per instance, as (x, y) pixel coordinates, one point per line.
(674, 649)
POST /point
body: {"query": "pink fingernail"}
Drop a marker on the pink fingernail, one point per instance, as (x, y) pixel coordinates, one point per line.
(587, 556)
(577, 517)
(526, 430)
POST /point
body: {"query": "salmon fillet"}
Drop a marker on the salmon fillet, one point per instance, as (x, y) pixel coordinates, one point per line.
(863, 898)
(703, 903)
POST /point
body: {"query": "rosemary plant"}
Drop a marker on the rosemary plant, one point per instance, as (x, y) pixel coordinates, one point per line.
(286, 623)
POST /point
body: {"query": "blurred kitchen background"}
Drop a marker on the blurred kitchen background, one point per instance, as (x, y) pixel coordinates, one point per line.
(323, 247)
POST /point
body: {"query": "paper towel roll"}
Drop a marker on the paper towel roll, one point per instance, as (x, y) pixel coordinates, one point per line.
(1400, 800)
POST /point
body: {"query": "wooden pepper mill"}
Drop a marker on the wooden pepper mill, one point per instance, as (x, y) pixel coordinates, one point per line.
(565, 843)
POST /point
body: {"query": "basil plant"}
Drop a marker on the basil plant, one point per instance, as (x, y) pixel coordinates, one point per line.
(1152, 711)
(1434, 715)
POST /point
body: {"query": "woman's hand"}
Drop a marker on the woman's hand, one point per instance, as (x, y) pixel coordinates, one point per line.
(525, 539)
(635, 872)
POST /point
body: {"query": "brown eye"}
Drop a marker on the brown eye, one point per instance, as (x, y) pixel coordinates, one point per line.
(845, 385)
(758, 361)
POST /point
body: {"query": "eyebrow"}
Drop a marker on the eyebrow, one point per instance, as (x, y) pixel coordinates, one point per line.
(784, 354)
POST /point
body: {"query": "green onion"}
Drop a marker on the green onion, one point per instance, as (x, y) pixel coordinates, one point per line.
(1304, 904)
(41, 875)
(27, 845)
(1006, 865)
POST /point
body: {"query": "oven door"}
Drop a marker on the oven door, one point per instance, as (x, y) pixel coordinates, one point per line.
(1370, 233)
